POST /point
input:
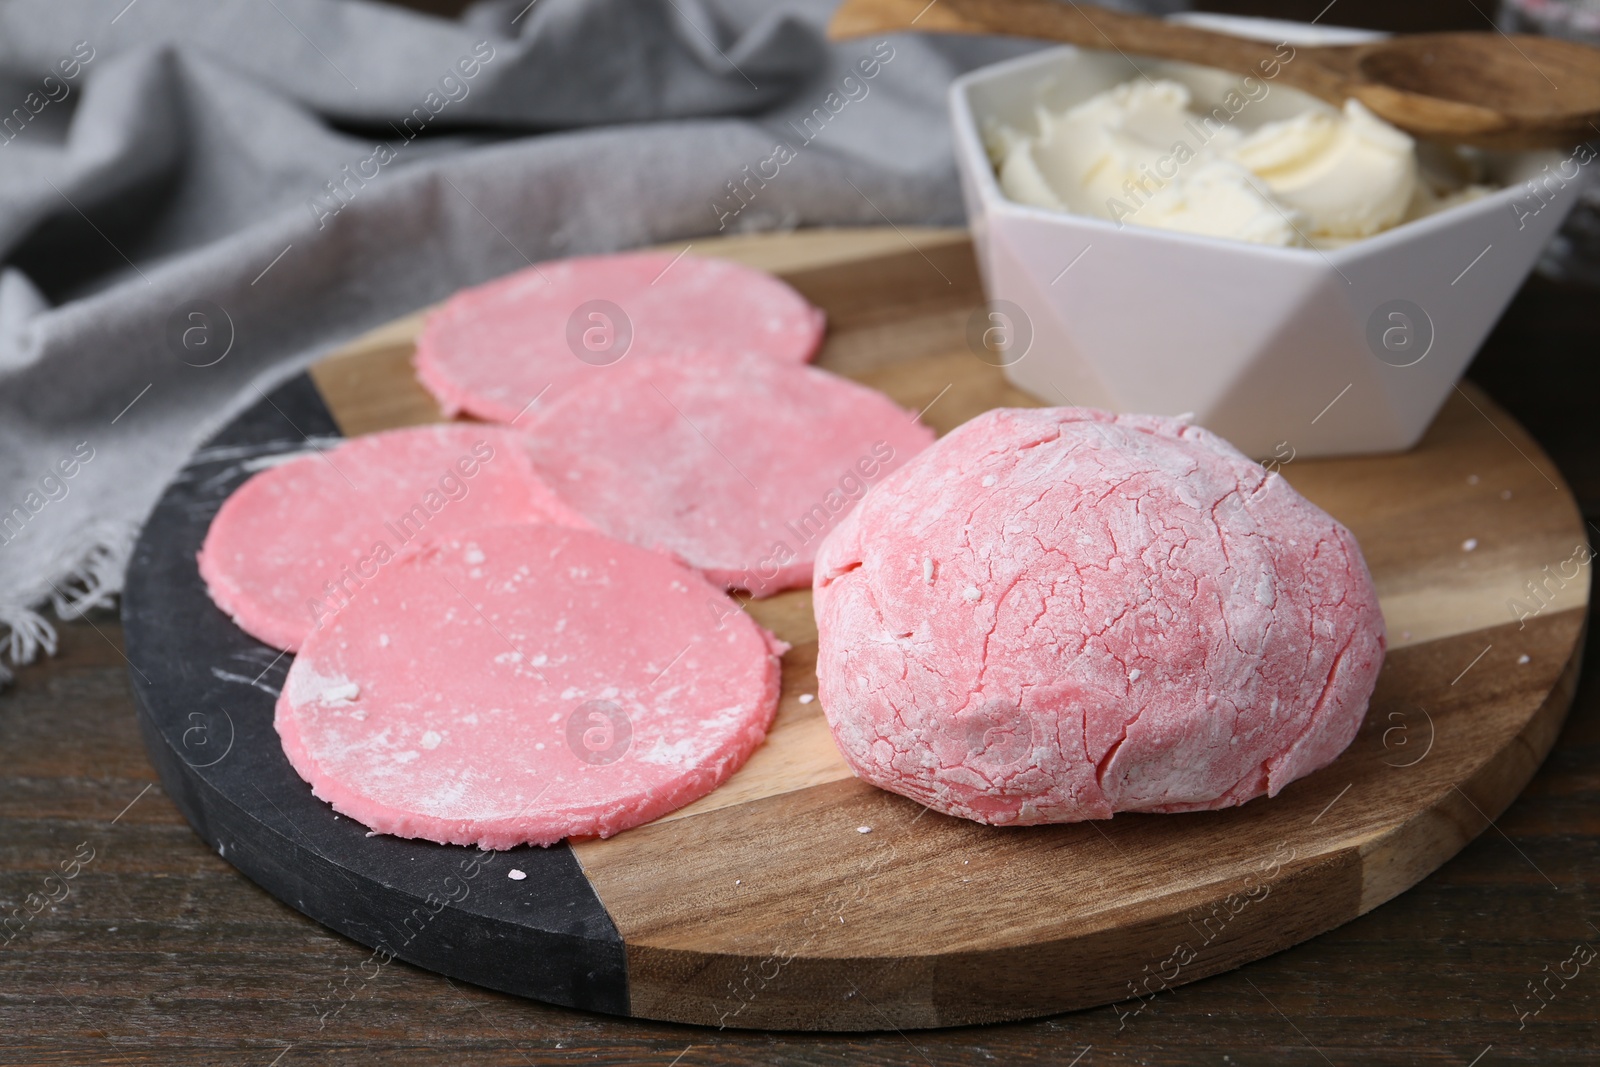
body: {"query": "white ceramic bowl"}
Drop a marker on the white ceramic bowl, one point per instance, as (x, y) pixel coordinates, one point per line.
(1283, 351)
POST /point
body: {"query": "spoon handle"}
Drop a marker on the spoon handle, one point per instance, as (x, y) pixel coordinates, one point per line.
(1092, 27)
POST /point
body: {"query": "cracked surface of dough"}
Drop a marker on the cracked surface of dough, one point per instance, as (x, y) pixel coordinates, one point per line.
(1057, 614)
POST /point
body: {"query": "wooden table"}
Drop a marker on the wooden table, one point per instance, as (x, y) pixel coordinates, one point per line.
(159, 952)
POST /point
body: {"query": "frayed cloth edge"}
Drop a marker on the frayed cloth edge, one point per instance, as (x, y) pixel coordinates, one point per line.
(89, 577)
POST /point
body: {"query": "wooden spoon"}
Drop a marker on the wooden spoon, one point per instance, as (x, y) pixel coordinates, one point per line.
(1486, 89)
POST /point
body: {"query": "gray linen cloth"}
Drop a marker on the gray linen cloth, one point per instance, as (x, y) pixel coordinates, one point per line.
(198, 197)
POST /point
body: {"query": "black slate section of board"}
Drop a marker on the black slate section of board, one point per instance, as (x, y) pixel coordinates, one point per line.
(205, 692)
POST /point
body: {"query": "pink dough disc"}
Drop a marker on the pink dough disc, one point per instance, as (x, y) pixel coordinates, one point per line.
(738, 467)
(1054, 615)
(493, 349)
(296, 541)
(522, 684)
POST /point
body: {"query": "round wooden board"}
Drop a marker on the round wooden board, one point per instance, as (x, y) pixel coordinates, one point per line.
(765, 904)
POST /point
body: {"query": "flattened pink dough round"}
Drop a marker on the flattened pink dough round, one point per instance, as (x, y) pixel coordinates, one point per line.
(738, 466)
(1057, 614)
(522, 684)
(295, 541)
(492, 349)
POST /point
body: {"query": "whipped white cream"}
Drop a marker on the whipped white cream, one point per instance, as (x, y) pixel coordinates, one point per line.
(1137, 153)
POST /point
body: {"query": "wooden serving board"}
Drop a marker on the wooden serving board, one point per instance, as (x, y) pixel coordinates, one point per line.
(798, 897)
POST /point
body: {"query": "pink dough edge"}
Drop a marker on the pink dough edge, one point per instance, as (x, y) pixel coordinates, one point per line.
(454, 400)
(226, 596)
(505, 832)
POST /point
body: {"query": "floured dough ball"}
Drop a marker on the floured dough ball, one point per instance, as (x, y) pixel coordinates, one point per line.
(1057, 614)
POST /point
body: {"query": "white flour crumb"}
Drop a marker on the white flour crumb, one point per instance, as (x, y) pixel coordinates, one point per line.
(1135, 674)
(1469, 544)
(971, 593)
(927, 570)
(516, 875)
(863, 829)
(1523, 658)
(988, 481)
(806, 698)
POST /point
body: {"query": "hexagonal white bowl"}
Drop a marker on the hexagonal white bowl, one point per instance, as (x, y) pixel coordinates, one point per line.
(1266, 346)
